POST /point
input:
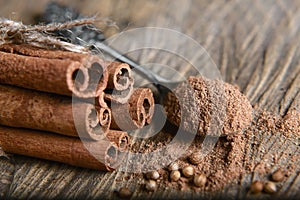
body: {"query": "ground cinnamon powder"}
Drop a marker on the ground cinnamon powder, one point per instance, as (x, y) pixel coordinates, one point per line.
(207, 102)
(229, 159)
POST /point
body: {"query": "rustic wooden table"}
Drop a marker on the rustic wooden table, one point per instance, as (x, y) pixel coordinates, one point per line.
(255, 44)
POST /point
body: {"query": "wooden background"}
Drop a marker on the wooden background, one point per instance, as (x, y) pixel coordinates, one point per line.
(255, 44)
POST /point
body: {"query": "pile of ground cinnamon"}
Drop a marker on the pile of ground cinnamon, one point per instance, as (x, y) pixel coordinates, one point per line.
(243, 131)
(206, 103)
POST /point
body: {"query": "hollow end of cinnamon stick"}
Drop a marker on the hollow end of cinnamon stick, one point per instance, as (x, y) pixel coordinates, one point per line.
(135, 113)
(120, 76)
(100, 100)
(86, 120)
(120, 138)
(111, 158)
(98, 74)
(126, 118)
(124, 143)
(146, 100)
(90, 79)
(120, 82)
(105, 152)
(104, 117)
(77, 79)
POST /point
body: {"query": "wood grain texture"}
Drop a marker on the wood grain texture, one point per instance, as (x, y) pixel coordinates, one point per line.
(255, 44)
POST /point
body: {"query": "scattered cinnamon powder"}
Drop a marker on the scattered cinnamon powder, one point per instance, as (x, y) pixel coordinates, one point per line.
(288, 125)
(222, 166)
(284, 152)
(247, 151)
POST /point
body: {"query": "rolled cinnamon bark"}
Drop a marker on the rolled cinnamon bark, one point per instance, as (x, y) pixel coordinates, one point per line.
(28, 50)
(104, 118)
(146, 96)
(100, 100)
(100, 155)
(52, 71)
(44, 111)
(135, 113)
(120, 138)
(91, 122)
(120, 82)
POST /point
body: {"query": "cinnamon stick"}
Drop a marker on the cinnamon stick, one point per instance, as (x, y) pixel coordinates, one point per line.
(44, 111)
(104, 119)
(120, 82)
(120, 138)
(146, 96)
(100, 100)
(100, 155)
(52, 71)
(137, 112)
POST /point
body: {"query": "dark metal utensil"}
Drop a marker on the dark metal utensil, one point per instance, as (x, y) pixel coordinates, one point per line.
(91, 36)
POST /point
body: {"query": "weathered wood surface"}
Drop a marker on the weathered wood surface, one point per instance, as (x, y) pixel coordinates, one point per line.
(255, 44)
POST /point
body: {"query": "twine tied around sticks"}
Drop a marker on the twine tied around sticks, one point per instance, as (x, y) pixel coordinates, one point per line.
(41, 36)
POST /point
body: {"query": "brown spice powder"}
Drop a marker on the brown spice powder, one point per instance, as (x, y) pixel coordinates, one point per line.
(206, 103)
(227, 162)
(229, 158)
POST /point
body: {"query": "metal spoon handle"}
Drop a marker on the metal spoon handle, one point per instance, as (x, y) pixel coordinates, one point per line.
(122, 58)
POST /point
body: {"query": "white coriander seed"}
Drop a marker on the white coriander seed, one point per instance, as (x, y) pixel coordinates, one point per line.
(173, 166)
(153, 175)
(270, 187)
(151, 185)
(175, 175)
(188, 171)
(200, 180)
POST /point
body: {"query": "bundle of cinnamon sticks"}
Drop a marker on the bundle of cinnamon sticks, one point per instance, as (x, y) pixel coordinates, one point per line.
(68, 107)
